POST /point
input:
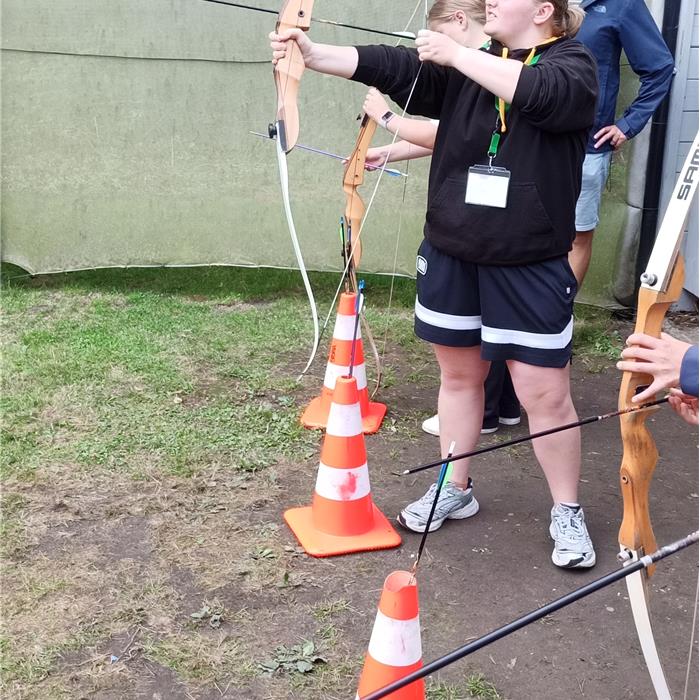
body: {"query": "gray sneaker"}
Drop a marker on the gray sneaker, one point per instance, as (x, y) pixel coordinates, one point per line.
(453, 503)
(572, 543)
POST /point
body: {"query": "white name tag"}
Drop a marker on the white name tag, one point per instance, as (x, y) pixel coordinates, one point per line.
(487, 186)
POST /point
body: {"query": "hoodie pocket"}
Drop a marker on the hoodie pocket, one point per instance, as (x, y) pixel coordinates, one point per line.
(522, 230)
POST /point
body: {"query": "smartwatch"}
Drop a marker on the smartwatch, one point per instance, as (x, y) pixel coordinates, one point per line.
(386, 117)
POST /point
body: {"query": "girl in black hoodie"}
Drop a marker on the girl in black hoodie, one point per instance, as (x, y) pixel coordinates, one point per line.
(493, 278)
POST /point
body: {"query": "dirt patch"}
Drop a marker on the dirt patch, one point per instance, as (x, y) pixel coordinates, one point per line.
(110, 592)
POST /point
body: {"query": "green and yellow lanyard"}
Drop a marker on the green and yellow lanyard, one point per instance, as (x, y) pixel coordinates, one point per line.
(502, 106)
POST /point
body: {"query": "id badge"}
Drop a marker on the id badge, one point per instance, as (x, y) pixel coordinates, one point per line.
(487, 186)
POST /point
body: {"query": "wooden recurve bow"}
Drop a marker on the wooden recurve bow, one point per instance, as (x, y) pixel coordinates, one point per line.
(661, 286)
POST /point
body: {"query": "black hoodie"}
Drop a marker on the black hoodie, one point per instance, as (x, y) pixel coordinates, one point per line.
(547, 128)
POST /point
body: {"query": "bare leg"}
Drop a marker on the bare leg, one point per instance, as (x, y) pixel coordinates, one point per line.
(460, 402)
(545, 393)
(580, 254)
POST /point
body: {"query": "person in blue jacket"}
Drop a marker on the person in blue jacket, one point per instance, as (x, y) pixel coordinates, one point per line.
(611, 26)
(672, 363)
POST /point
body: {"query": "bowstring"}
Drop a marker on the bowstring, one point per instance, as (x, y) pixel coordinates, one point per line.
(692, 640)
(387, 313)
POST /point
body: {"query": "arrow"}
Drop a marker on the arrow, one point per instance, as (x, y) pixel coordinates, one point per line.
(532, 436)
(311, 149)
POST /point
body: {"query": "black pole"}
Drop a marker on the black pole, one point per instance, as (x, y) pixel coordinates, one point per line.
(655, 157)
(533, 436)
(537, 614)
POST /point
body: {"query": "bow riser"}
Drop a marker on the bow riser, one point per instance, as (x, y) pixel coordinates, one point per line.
(288, 72)
(353, 178)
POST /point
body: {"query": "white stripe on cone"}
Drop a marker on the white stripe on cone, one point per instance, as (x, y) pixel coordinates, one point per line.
(345, 327)
(335, 371)
(395, 642)
(344, 420)
(342, 484)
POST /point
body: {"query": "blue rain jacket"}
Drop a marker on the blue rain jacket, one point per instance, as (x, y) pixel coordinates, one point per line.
(610, 27)
(689, 371)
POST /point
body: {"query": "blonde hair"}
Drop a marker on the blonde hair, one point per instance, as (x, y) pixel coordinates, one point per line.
(444, 10)
(566, 20)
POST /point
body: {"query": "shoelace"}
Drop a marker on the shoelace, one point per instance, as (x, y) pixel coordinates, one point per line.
(564, 524)
(430, 494)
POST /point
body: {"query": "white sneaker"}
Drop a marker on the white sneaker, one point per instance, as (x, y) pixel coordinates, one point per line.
(432, 425)
(454, 503)
(573, 548)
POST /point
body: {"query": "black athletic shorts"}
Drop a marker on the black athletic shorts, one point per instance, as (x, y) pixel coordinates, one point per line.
(519, 312)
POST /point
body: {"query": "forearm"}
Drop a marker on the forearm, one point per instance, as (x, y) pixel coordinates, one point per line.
(420, 134)
(403, 150)
(333, 60)
(499, 76)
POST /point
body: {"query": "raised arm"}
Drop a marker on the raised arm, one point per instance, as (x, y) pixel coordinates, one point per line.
(418, 132)
(322, 58)
(497, 75)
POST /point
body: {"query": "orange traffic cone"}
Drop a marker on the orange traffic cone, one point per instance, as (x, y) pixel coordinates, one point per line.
(342, 517)
(316, 413)
(394, 647)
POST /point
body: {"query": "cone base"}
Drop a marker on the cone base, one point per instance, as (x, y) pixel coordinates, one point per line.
(315, 416)
(319, 544)
(376, 675)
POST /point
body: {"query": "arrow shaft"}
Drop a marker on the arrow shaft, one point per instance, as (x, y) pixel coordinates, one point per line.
(401, 35)
(311, 149)
(533, 436)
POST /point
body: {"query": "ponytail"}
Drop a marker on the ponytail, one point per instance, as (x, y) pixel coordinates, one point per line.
(566, 20)
(571, 21)
(444, 10)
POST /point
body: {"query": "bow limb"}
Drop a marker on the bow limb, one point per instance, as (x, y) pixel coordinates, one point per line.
(284, 181)
(662, 283)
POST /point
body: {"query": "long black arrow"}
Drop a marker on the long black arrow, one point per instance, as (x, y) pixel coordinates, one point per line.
(401, 35)
(536, 614)
(532, 436)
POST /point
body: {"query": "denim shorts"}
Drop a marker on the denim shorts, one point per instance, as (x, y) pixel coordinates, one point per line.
(515, 312)
(593, 178)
